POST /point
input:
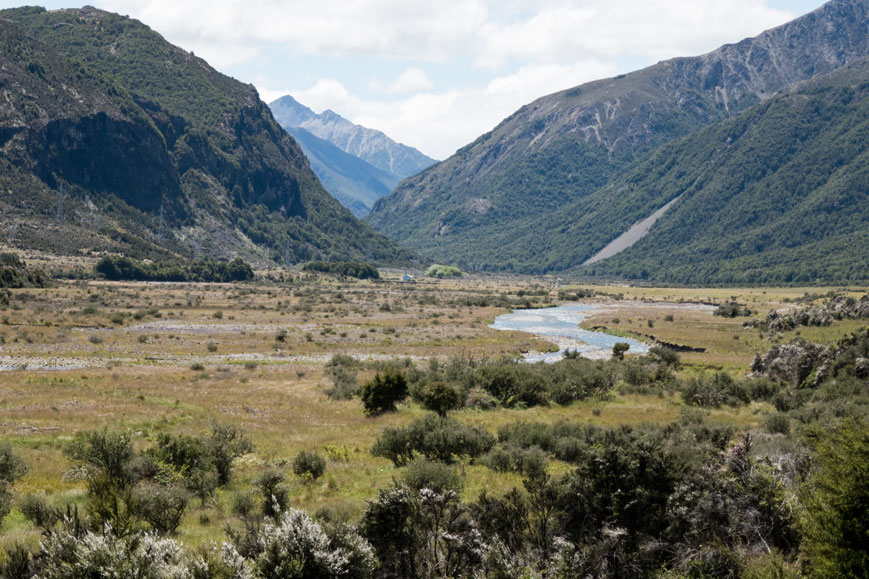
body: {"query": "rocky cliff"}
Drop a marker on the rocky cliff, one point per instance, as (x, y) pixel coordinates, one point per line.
(113, 138)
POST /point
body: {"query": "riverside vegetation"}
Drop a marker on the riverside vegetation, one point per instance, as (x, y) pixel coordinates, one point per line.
(313, 425)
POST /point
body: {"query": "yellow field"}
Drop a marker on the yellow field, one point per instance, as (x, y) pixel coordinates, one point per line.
(180, 357)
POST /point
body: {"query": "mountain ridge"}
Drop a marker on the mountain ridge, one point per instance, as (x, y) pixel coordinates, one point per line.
(370, 145)
(352, 181)
(557, 150)
(174, 158)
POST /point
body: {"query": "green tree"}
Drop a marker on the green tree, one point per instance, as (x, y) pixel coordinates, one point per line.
(619, 349)
(835, 524)
(11, 469)
(440, 397)
(383, 392)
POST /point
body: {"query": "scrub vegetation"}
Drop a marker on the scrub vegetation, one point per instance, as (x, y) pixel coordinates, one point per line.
(311, 424)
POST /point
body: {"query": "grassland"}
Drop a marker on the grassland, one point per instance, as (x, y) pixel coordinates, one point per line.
(171, 357)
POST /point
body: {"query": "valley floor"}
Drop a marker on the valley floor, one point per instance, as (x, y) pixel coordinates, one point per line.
(150, 358)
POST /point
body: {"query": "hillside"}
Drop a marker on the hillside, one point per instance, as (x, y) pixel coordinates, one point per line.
(114, 139)
(352, 181)
(370, 145)
(493, 205)
(779, 194)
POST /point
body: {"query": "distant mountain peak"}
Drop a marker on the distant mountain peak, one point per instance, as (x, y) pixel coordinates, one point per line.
(370, 145)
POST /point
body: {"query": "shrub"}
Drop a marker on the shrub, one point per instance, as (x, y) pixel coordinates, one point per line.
(344, 384)
(530, 462)
(619, 349)
(296, 546)
(665, 356)
(778, 423)
(66, 555)
(357, 269)
(275, 495)
(225, 444)
(162, 506)
(836, 502)
(440, 397)
(437, 476)
(309, 464)
(732, 310)
(12, 467)
(383, 392)
(434, 437)
(443, 271)
(38, 511)
(480, 399)
(713, 391)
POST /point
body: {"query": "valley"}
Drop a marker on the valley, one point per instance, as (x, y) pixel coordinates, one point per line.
(158, 358)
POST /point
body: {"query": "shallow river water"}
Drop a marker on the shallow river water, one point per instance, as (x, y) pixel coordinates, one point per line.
(561, 326)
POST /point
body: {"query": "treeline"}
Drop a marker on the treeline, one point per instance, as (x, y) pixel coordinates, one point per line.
(14, 273)
(120, 268)
(357, 269)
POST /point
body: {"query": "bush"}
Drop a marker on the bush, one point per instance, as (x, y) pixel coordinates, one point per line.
(162, 506)
(38, 511)
(434, 437)
(116, 267)
(383, 392)
(713, 391)
(357, 269)
(275, 496)
(732, 310)
(66, 555)
(664, 356)
(443, 271)
(530, 462)
(344, 385)
(437, 476)
(309, 464)
(440, 397)
(619, 349)
(836, 502)
(296, 546)
(225, 444)
(778, 423)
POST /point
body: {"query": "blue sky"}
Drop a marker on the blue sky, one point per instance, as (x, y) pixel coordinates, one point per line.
(435, 75)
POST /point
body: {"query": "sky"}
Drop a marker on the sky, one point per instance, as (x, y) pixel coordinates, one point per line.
(436, 74)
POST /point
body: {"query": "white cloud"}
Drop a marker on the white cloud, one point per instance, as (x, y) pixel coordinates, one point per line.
(440, 122)
(518, 50)
(488, 32)
(413, 79)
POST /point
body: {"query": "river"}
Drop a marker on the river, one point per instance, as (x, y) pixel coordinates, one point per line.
(561, 326)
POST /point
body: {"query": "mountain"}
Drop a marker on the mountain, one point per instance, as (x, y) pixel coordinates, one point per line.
(513, 199)
(352, 181)
(778, 194)
(113, 139)
(371, 146)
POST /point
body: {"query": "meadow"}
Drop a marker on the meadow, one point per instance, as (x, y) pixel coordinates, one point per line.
(151, 358)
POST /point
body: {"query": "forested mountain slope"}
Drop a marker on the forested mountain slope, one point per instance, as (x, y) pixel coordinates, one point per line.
(352, 181)
(493, 205)
(114, 139)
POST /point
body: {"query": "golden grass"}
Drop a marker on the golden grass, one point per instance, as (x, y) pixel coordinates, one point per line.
(137, 374)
